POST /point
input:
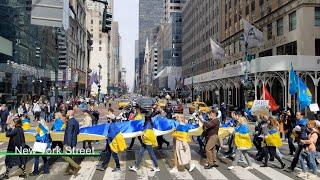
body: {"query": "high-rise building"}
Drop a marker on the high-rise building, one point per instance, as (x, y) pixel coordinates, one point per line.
(100, 49)
(151, 13)
(115, 64)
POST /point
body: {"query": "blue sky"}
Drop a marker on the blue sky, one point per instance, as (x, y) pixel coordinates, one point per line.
(126, 12)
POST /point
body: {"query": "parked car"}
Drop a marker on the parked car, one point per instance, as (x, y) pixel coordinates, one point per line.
(198, 105)
(146, 104)
(123, 103)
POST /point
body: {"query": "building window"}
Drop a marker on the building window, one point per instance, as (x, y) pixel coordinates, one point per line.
(100, 22)
(91, 21)
(100, 49)
(287, 49)
(280, 27)
(100, 42)
(266, 53)
(269, 31)
(292, 21)
(253, 6)
(100, 35)
(317, 16)
(317, 47)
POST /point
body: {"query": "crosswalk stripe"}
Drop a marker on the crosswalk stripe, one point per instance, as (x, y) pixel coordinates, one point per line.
(207, 173)
(242, 173)
(143, 172)
(88, 166)
(181, 174)
(271, 173)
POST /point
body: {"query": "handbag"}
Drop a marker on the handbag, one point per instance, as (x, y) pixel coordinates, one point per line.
(40, 147)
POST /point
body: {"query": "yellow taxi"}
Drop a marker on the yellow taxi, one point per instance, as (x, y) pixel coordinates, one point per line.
(162, 103)
(198, 105)
(123, 103)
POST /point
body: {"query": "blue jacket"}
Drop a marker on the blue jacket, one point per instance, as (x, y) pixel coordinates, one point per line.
(44, 139)
(229, 123)
(242, 129)
(71, 133)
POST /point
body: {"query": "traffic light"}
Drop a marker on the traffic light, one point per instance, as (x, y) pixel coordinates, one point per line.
(106, 21)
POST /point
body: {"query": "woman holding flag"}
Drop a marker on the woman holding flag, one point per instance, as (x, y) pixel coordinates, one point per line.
(182, 154)
(42, 136)
(272, 141)
(242, 142)
(149, 141)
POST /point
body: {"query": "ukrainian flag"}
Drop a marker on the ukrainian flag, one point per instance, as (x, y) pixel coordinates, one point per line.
(116, 140)
(273, 138)
(26, 124)
(149, 137)
(58, 125)
(41, 130)
(242, 138)
(182, 134)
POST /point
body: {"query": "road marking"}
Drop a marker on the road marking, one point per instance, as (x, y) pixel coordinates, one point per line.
(271, 173)
(213, 173)
(115, 175)
(242, 173)
(88, 166)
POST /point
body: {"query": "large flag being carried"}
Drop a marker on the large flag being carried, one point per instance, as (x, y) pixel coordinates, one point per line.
(293, 85)
(217, 51)
(267, 96)
(252, 35)
(305, 96)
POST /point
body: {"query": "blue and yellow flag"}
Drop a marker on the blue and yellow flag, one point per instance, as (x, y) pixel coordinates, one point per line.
(182, 133)
(58, 125)
(242, 137)
(41, 130)
(273, 138)
(305, 96)
(293, 81)
(26, 124)
(116, 140)
(149, 137)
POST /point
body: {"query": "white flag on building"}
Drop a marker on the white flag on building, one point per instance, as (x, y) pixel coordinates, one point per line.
(217, 51)
(252, 35)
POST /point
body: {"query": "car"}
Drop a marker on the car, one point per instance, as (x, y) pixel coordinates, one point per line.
(146, 104)
(177, 107)
(123, 103)
(201, 105)
(162, 103)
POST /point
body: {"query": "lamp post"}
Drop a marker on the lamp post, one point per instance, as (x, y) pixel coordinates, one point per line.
(192, 89)
(99, 85)
(246, 75)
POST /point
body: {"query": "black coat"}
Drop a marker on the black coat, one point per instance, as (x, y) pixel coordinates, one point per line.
(16, 140)
(71, 133)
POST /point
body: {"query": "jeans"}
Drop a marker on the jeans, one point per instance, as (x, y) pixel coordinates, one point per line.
(200, 142)
(273, 153)
(45, 165)
(237, 157)
(296, 157)
(161, 140)
(310, 157)
(3, 127)
(132, 142)
(151, 154)
(108, 157)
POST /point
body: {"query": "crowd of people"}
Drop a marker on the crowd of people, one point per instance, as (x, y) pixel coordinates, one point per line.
(299, 130)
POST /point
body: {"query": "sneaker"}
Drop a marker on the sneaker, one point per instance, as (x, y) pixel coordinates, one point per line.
(192, 166)
(4, 176)
(248, 168)
(155, 169)
(116, 170)
(174, 171)
(301, 175)
(100, 168)
(133, 168)
(129, 149)
(231, 167)
(312, 176)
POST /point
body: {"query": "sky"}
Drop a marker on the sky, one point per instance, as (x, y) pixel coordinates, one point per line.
(126, 12)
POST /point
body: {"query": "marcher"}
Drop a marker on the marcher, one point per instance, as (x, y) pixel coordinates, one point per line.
(70, 140)
(182, 153)
(212, 128)
(243, 144)
(4, 114)
(36, 111)
(42, 136)
(149, 141)
(138, 116)
(289, 123)
(16, 141)
(87, 122)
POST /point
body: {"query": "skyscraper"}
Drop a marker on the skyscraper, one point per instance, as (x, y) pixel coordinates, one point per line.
(151, 14)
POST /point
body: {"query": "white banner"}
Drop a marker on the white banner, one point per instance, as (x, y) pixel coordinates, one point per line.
(252, 35)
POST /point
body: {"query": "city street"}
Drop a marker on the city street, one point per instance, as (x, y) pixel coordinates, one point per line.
(88, 164)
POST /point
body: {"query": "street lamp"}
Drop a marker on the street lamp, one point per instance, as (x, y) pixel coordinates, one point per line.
(192, 67)
(99, 85)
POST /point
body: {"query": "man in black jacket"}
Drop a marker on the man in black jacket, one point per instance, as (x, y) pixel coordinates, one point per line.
(16, 141)
(70, 140)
